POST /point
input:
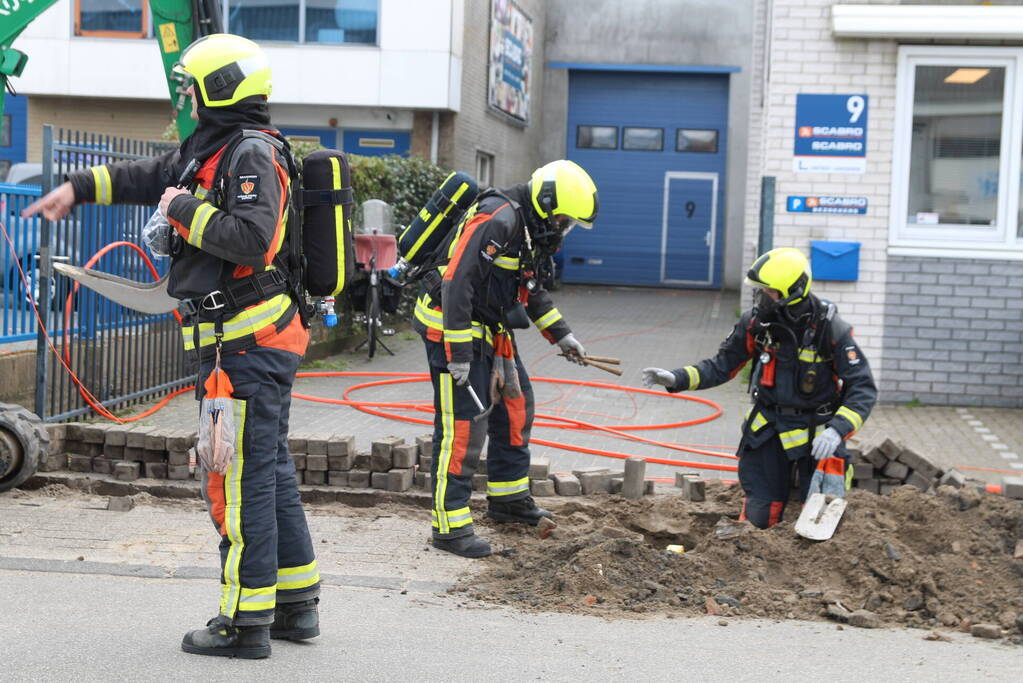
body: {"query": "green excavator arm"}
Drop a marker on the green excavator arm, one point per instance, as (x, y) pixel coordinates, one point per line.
(176, 24)
(14, 17)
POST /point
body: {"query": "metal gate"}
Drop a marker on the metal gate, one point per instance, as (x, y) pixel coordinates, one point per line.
(121, 356)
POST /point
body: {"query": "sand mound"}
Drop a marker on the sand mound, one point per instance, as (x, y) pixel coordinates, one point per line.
(908, 558)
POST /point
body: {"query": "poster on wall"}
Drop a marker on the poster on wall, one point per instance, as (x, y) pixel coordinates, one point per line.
(511, 48)
(831, 134)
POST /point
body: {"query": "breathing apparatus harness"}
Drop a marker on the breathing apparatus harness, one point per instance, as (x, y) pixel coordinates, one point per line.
(541, 240)
(765, 327)
(237, 294)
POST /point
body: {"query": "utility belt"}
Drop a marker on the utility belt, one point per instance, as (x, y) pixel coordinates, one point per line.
(236, 295)
(825, 410)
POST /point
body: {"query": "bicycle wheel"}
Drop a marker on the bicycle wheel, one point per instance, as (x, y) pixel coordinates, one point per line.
(372, 317)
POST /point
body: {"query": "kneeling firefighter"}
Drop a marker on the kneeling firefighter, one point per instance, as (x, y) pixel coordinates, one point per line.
(811, 387)
(484, 285)
(242, 323)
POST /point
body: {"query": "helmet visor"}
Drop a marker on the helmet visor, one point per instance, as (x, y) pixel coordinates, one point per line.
(564, 224)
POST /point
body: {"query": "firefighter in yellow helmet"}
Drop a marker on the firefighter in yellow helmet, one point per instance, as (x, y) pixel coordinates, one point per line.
(224, 195)
(811, 386)
(488, 286)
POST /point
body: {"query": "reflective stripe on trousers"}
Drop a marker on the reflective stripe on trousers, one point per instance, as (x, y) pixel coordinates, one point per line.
(458, 442)
(266, 552)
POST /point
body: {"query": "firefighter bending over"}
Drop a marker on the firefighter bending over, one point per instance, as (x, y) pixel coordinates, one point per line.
(487, 286)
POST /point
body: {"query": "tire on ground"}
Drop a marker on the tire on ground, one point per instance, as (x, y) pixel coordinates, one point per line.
(24, 441)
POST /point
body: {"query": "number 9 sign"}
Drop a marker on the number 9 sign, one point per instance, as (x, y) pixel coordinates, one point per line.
(855, 106)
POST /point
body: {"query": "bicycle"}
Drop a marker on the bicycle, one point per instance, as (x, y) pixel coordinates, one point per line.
(367, 249)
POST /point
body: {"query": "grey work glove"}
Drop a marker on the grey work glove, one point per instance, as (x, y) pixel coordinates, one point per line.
(572, 349)
(825, 444)
(459, 371)
(652, 376)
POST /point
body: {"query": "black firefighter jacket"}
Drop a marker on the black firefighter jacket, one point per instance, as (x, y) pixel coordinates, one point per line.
(803, 382)
(225, 233)
(481, 282)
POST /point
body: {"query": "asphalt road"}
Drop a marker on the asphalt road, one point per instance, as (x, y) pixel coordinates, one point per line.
(79, 627)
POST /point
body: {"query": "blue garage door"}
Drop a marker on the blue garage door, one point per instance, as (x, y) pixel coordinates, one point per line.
(655, 144)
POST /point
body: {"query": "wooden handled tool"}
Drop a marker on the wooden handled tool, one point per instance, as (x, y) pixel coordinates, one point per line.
(606, 368)
(604, 359)
(599, 362)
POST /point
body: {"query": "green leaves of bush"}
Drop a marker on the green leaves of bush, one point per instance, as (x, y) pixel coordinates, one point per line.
(405, 183)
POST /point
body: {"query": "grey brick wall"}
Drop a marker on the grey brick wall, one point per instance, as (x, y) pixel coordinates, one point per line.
(952, 332)
(516, 147)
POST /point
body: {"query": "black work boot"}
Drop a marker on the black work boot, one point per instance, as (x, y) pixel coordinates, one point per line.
(521, 511)
(296, 620)
(221, 639)
(464, 546)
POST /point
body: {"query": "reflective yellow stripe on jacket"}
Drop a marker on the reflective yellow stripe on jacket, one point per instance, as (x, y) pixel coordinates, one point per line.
(434, 319)
(854, 419)
(507, 262)
(197, 227)
(547, 319)
(104, 187)
(248, 322)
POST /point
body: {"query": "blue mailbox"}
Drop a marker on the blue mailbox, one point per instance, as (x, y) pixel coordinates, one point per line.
(835, 260)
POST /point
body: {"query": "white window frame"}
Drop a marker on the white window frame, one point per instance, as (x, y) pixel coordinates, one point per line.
(961, 241)
(485, 159)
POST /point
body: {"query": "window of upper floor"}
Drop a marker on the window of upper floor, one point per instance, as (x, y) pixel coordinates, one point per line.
(958, 152)
(324, 22)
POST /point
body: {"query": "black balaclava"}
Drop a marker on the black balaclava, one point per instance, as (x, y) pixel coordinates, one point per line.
(218, 124)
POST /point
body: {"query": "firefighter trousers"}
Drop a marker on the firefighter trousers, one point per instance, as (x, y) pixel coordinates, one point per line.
(266, 554)
(458, 441)
(766, 473)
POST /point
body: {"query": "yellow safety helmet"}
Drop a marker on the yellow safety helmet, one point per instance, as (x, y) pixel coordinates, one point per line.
(563, 188)
(226, 68)
(785, 270)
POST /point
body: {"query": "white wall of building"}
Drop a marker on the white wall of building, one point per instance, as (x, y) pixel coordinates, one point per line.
(804, 57)
(416, 65)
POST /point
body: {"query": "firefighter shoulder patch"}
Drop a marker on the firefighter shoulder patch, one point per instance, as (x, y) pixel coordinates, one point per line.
(851, 355)
(248, 188)
(491, 250)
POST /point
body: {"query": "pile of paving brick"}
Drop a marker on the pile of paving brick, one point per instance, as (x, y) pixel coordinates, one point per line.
(882, 469)
(130, 452)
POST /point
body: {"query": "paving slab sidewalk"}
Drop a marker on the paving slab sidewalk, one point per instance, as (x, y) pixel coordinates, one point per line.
(642, 327)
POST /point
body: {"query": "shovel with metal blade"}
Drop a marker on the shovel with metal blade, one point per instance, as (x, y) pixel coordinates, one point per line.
(823, 508)
(145, 297)
(819, 517)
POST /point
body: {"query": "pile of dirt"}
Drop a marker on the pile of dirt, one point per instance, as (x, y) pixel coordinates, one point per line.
(910, 558)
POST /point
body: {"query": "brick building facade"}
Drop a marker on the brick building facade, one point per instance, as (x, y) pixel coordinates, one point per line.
(937, 301)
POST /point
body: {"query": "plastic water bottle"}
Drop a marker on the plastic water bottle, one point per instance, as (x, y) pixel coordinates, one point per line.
(327, 309)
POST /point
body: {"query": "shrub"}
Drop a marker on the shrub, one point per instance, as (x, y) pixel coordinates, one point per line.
(405, 183)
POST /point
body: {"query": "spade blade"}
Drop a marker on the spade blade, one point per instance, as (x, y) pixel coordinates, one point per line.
(819, 518)
(145, 297)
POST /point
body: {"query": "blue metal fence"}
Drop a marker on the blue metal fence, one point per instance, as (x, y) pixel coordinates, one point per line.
(120, 355)
(17, 321)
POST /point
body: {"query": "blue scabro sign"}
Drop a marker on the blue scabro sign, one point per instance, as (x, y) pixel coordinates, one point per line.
(847, 205)
(831, 134)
